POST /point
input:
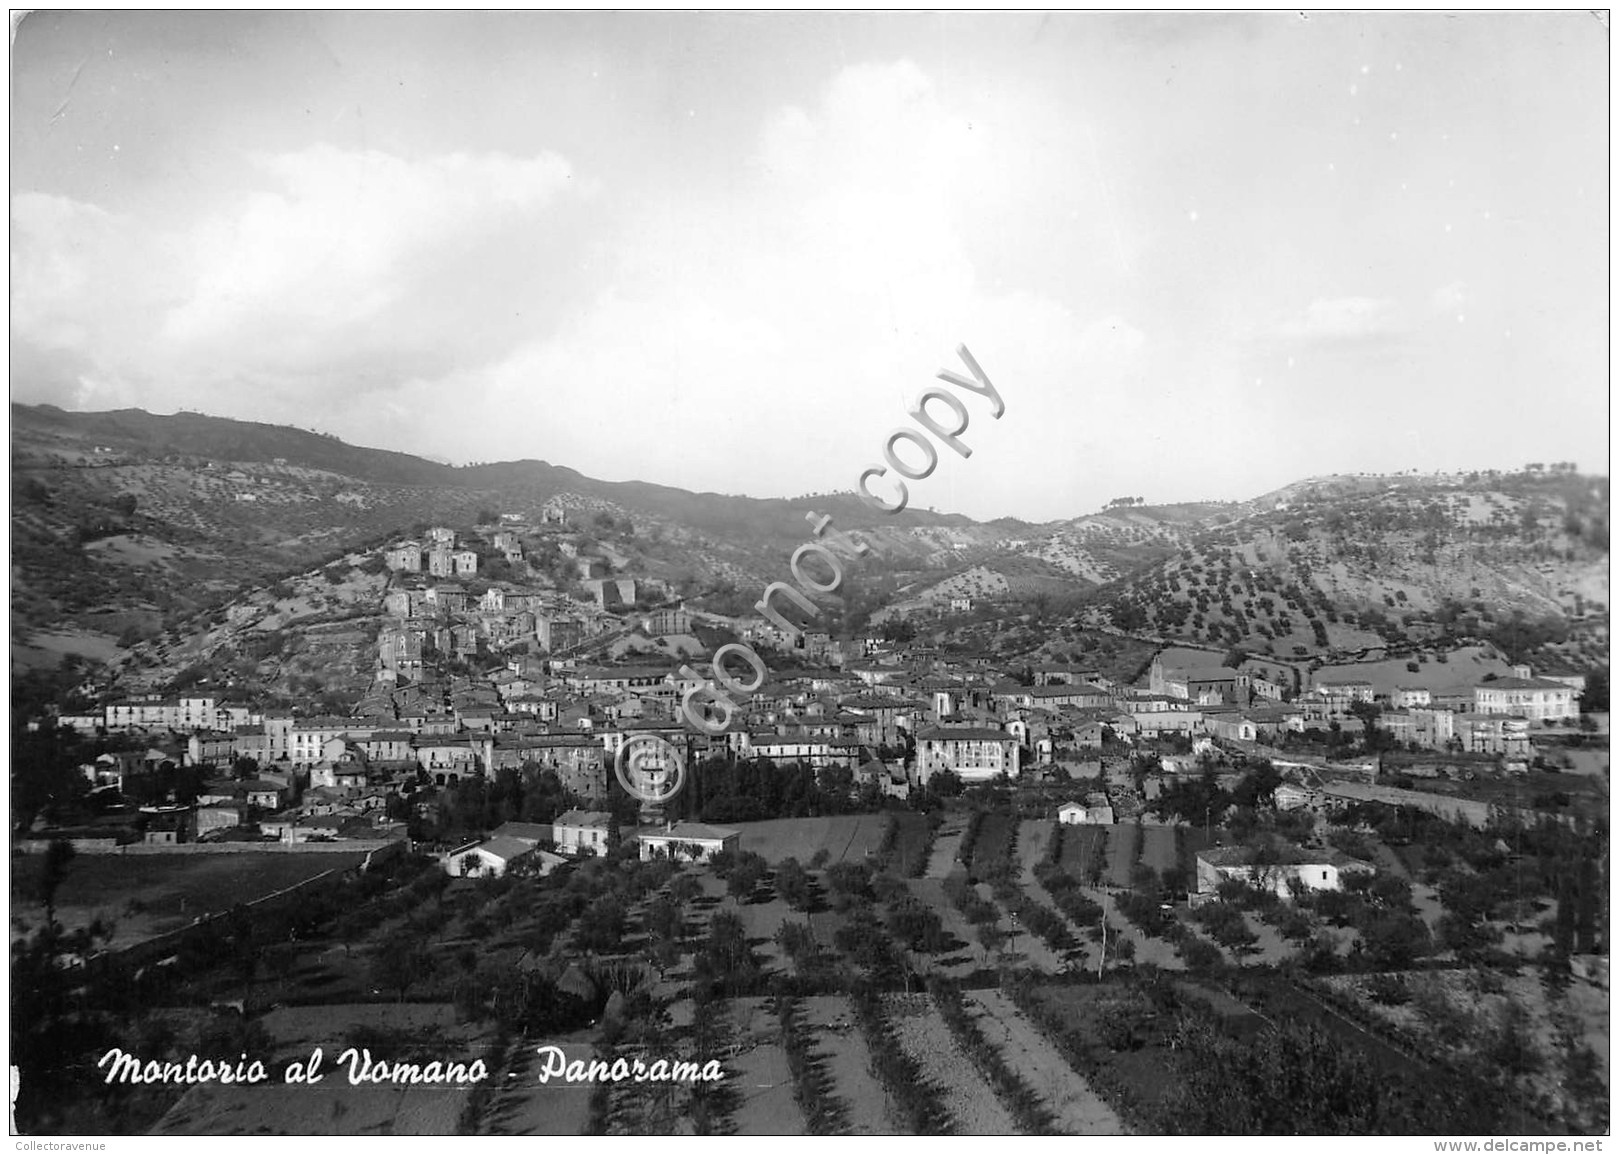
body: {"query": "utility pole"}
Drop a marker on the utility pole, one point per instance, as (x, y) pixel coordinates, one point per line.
(1101, 963)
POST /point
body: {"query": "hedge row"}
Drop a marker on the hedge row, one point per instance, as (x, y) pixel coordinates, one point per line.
(812, 1085)
(1100, 1073)
(1028, 1113)
(964, 852)
(919, 1103)
(1066, 892)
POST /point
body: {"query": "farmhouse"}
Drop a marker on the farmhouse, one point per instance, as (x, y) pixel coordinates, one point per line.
(494, 857)
(692, 841)
(1094, 811)
(1275, 871)
(1288, 796)
(582, 831)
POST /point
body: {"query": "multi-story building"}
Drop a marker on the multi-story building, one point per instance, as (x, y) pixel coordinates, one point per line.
(406, 556)
(582, 831)
(974, 753)
(1424, 726)
(1209, 684)
(400, 651)
(153, 712)
(559, 633)
(660, 623)
(1404, 697)
(579, 760)
(309, 737)
(1538, 699)
(1493, 734)
(1345, 689)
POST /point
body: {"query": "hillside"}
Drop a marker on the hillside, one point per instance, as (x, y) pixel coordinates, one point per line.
(128, 523)
(1343, 565)
(129, 527)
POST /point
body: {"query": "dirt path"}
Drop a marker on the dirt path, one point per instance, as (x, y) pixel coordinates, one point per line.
(974, 1109)
(1077, 1108)
(526, 1106)
(761, 1075)
(942, 858)
(1023, 946)
(848, 1061)
(1271, 948)
(1148, 950)
(1122, 852)
(1034, 835)
(965, 960)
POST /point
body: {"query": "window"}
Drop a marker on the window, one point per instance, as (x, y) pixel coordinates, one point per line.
(1323, 876)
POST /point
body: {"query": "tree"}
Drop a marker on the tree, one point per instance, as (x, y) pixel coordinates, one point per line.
(1594, 699)
(53, 870)
(793, 884)
(746, 874)
(487, 516)
(400, 963)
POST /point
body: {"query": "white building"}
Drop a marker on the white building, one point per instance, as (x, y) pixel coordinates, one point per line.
(975, 754)
(1094, 811)
(689, 842)
(1538, 699)
(1314, 869)
(489, 859)
(582, 831)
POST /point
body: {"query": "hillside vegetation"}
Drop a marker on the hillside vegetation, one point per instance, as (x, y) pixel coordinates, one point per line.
(1333, 568)
(133, 528)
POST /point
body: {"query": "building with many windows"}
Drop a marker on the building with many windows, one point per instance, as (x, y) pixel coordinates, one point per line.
(1538, 699)
(974, 753)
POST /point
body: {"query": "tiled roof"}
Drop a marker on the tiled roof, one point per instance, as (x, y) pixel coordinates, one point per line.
(964, 734)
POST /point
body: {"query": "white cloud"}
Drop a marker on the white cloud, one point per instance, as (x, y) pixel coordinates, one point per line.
(338, 243)
(752, 343)
(1450, 298)
(752, 336)
(1342, 318)
(346, 265)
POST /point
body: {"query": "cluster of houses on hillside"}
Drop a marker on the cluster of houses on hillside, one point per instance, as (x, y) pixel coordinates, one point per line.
(895, 719)
(893, 715)
(433, 615)
(540, 848)
(1491, 716)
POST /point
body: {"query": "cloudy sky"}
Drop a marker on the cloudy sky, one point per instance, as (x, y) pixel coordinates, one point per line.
(1200, 256)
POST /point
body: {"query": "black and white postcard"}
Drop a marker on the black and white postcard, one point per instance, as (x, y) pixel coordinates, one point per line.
(740, 573)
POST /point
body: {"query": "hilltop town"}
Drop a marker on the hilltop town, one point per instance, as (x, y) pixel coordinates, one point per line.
(976, 819)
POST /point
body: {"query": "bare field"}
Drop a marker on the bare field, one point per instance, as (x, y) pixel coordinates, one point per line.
(848, 1061)
(974, 1109)
(845, 837)
(332, 1105)
(1077, 1108)
(761, 1076)
(526, 1106)
(150, 894)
